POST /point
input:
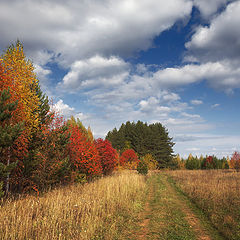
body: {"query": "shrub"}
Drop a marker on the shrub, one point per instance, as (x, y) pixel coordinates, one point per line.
(150, 161)
(129, 159)
(81, 178)
(142, 168)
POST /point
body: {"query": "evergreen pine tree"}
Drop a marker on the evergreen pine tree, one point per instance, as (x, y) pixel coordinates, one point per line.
(9, 132)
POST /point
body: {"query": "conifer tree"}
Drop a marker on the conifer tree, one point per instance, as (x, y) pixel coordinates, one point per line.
(9, 133)
(33, 160)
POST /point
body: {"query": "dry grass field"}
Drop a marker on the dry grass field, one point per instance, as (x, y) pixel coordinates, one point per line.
(93, 211)
(217, 192)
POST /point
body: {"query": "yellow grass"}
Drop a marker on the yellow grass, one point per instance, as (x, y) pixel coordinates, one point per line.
(74, 212)
(217, 192)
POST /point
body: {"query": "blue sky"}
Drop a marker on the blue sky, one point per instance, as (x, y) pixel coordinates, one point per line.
(107, 62)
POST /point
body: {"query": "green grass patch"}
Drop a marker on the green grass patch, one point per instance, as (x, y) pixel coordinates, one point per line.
(167, 221)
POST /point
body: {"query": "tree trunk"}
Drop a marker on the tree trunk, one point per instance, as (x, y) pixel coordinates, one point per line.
(8, 163)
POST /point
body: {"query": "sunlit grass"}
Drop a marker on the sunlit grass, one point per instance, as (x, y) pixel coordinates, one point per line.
(73, 212)
(217, 192)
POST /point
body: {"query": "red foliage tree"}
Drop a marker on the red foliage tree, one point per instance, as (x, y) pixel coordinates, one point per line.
(209, 163)
(235, 160)
(107, 154)
(129, 159)
(83, 154)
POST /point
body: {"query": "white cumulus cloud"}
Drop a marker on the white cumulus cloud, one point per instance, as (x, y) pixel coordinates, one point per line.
(95, 72)
(196, 102)
(218, 41)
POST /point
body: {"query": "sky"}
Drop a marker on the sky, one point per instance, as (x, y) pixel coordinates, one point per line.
(106, 62)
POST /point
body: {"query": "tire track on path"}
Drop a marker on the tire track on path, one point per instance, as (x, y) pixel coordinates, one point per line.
(168, 215)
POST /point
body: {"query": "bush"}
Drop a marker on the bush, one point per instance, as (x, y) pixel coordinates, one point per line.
(129, 159)
(142, 168)
(81, 178)
(150, 161)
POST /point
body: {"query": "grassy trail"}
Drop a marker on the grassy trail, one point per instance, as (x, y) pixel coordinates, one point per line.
(170, 215)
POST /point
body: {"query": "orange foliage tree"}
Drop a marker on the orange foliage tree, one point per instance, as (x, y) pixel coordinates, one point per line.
(84, 157)
(235, 160)
(129, 159)
(18, 74)
(108, 155)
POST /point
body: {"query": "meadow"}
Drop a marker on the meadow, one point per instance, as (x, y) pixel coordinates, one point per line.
(109, 208)
(97, 210)
(217, 193)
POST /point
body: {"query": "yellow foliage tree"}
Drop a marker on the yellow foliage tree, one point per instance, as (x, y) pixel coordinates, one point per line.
(230, 163)
(150, 161)
(23, 85)
(190, 156)
(180, 162)
(86, 132)
(90, 134)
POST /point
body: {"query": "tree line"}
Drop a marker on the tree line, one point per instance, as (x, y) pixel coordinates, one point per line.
(38, 148)
(208, 162)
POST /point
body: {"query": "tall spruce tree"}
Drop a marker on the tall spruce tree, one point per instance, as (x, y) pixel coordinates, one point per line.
(9, 132)
(145, 139)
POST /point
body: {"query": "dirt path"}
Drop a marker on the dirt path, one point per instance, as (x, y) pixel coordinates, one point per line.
(167, 215)
(192, 219)
(144, 217)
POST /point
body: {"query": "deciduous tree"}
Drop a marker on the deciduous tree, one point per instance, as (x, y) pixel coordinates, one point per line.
(83, 154)
(107, 154)
(20, 77)
(235, 160)
(129, 159)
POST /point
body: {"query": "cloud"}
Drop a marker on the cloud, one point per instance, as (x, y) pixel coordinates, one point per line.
(95, 72)
(191, 115)
(75, 30)
(63, 108)
(207, 7)
(67, 111)
(42, 73)
(113, 84)
(193, 149)
(196, 102)
(218, 41)
(215, 105)
(220, 75)
(153, 104)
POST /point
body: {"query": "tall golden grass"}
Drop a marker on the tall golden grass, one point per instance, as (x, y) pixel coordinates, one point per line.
(73, 212)
(217, 192)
